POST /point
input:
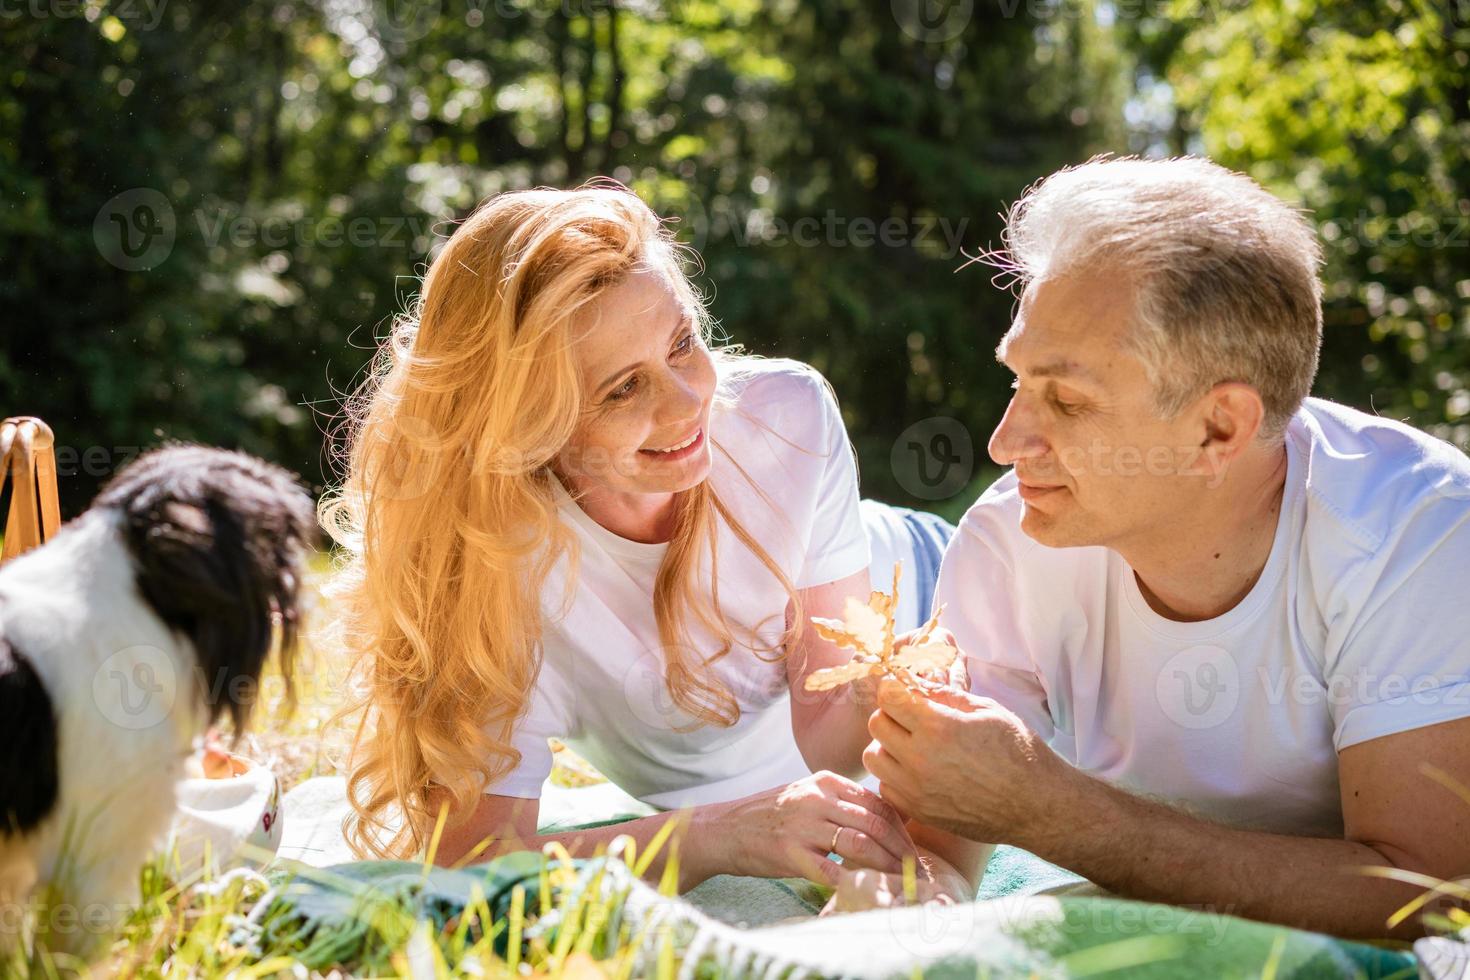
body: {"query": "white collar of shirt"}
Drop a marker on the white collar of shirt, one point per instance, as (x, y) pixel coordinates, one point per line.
(613, 544)
(1260, 593)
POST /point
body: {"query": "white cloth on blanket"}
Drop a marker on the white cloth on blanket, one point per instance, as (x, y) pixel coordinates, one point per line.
(314, 836)
(314, 815)
(217, 818)
(315, 811)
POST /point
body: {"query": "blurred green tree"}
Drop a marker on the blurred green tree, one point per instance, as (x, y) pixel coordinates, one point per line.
(211, 213)
(1361, 114)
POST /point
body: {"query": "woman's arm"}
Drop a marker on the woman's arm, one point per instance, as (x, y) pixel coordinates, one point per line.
(783, 832)
(831, 727)
(509, 823)
(957, 862)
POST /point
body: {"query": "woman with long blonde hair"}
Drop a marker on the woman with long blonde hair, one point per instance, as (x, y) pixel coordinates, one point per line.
(567, 515)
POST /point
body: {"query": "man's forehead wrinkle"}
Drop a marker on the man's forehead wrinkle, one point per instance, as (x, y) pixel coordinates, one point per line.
(1053, 366)
(1020, 310)
(1066, 345)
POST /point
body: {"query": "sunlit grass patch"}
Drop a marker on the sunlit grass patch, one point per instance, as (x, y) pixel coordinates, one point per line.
(544, 916)
(205, 927)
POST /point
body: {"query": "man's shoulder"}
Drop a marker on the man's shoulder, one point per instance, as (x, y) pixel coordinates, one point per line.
(994, 521)
(995, 516)
(1371, 479)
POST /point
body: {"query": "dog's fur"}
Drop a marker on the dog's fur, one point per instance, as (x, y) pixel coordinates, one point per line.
(138, 625)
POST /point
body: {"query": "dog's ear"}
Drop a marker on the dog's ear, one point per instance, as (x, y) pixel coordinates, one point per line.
(218, 539)
(28, 746)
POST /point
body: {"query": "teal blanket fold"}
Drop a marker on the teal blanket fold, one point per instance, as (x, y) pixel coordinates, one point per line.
(1012, 871)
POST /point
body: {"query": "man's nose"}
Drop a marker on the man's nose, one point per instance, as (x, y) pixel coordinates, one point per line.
(1017, 437)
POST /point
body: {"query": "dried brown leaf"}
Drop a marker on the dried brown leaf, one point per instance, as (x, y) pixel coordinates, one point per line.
(830, 677)
(868, 629)
(923, 657)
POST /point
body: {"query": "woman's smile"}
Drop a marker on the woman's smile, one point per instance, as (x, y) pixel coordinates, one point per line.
(679, 450)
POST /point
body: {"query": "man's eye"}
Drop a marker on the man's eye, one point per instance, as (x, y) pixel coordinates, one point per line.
(1066, 408)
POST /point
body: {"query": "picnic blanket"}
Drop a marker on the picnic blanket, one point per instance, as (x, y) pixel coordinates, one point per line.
(332, 914)
(1024, 922)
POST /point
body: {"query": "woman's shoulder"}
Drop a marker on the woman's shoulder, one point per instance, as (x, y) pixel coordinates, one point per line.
(775, 390)
(779, 419)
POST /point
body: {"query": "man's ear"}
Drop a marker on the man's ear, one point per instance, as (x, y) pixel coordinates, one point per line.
(1231, 416)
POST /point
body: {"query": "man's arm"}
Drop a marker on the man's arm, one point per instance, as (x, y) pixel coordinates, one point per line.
(1397, 819)
(972, 767)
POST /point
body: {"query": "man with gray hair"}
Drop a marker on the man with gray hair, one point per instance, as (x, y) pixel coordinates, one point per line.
(1217, 631)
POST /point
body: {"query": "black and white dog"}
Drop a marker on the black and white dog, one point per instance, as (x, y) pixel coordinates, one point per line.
(121, 640)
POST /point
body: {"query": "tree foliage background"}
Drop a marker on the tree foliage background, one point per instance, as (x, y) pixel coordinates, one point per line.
(210, 211)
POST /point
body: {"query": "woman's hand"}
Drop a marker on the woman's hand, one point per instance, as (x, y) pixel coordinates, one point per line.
(789, 831)
(861, 889)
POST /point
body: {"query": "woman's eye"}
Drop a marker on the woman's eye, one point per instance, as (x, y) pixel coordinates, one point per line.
(684, 346)
(623, 390)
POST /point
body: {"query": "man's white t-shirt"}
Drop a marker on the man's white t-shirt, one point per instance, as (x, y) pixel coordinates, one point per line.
(1358, 628)
(601, 684)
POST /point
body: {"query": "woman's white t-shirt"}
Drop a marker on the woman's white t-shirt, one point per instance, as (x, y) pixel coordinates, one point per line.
(601, 686)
